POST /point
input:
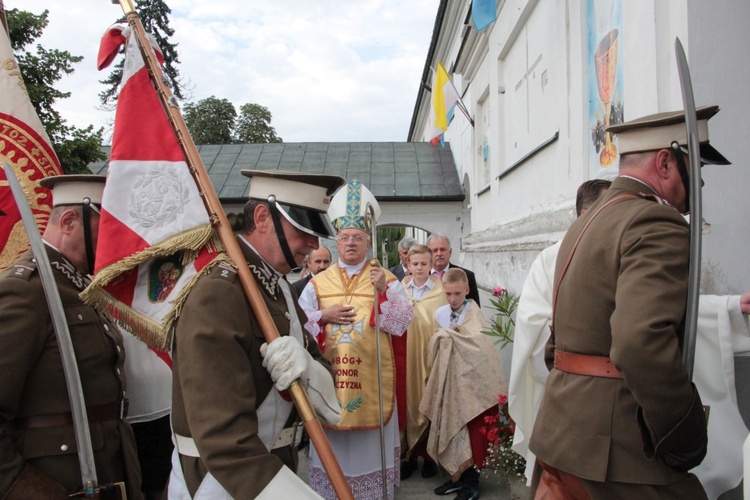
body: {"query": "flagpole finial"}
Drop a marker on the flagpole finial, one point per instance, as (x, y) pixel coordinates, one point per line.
(127, 5)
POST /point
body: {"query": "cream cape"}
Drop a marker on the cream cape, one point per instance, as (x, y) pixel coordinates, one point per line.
(465, 380)
(418, 336)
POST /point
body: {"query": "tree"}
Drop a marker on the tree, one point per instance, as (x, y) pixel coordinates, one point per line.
(214, 121)
(211, 121)
(154, 15)
(390, 235)
(75, 147)
(254, 125)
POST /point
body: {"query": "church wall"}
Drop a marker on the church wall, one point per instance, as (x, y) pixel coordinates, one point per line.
(720, 62)
(525, 79)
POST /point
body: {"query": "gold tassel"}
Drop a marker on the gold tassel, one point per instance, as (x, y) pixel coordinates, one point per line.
(192, 240)
(153, 334)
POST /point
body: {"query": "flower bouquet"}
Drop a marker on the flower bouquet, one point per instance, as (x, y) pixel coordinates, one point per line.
(499, 429)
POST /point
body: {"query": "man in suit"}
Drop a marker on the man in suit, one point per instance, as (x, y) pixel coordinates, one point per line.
(440, 246)
(38, 452)
(401, 269)
(620, 418)
(316, 261)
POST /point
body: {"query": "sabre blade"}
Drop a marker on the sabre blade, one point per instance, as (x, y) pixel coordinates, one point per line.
(696, 210)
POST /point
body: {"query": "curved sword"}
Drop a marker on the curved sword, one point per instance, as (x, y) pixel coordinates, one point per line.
(696, 210)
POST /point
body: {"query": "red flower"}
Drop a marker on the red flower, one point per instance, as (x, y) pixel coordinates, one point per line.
(492, 435)
(499, 291)
(502, 399)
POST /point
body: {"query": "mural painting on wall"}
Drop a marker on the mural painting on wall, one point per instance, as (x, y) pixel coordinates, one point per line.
(605, 83)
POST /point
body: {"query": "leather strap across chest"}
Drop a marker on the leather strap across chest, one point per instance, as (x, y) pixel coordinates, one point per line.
(583, 364)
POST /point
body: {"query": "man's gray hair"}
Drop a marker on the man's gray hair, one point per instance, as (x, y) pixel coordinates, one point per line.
(406, 242)
(438, 236)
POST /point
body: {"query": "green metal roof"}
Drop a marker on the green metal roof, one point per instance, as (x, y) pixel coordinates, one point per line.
(393, 171)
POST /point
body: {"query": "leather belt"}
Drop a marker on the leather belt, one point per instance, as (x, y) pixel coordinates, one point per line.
(101, 413)
(291, 436)
(586, 364)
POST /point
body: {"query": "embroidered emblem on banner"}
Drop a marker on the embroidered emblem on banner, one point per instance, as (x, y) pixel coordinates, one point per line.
(163, 275)
(347, 330)
(158, 199)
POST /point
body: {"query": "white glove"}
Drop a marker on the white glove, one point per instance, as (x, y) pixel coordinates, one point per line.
(285, 359)
(322, 394)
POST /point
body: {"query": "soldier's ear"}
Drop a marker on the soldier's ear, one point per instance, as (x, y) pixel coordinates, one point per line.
(662, 160)
(68, 219)
(262, 216)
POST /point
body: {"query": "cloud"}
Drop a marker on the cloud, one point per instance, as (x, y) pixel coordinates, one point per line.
(327, 70)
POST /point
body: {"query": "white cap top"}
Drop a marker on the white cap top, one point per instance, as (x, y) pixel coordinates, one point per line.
(74, 189)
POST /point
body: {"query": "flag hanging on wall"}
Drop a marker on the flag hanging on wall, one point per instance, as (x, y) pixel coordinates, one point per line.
(25, 146)
(483, 13)
(155, 236)
(444, 99)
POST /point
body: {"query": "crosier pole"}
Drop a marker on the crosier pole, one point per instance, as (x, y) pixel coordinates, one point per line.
(224, 230)
(375, 263)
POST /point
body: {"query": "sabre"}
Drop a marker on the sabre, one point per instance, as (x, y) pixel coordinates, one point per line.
(375, 263)
(696, 210)
(64, 343)
(224, 229)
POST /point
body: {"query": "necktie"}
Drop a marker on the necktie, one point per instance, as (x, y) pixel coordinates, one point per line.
(440, 274)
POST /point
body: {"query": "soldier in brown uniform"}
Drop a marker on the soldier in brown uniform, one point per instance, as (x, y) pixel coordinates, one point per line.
(234, 429)
(38, 453)
(620, 418)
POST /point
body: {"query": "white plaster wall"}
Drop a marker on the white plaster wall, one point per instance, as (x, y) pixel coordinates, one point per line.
(515, 217)
(444, 218)
(719, 57)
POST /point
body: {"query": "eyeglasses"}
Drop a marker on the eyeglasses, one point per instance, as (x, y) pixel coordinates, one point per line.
(347, 237)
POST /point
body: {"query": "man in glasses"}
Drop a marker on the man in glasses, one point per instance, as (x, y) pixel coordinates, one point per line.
(340, 305)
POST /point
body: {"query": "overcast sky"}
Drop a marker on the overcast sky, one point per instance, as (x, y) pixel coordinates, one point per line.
(328, 70)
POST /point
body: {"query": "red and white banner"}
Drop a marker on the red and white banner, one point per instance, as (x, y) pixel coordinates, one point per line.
(154, 233)
(25, 146)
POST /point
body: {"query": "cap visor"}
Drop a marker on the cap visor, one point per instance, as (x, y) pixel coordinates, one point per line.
(711, 156)
(309, 221)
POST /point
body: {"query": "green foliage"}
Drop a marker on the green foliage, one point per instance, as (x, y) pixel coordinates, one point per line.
(83, 146)
(254, 125)
(214, 121)
(393, 234)
(154, 15)
(211, 121)
(503, 324)
(41, 69)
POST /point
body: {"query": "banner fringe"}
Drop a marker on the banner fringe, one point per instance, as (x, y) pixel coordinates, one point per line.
(152, 333)
(190, 241)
